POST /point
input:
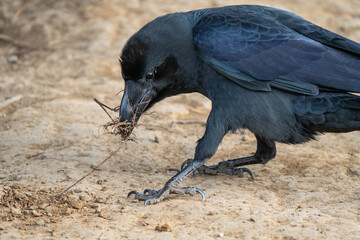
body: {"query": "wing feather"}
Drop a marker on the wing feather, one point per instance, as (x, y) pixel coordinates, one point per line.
(259, 48)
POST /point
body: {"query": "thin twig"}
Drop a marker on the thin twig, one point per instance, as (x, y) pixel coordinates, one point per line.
(67, 176)
(120, 92)
(103, 106)
(115, 109)
(93, 169)
(18, 12)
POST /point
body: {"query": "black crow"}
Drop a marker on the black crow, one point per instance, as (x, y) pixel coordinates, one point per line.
(264, 69)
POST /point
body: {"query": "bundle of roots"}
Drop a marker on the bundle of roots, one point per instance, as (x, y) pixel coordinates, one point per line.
(115, 127)
(124, 129)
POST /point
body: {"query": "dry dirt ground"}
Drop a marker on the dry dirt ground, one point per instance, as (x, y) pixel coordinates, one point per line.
(55, 56)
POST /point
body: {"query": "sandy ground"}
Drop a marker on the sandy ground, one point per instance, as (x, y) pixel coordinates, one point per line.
(55, 56)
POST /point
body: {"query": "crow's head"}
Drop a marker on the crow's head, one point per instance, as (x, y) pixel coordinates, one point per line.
(157, 62)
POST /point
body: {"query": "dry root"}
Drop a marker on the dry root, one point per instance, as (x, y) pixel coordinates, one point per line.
(115, 127)
(124, 129)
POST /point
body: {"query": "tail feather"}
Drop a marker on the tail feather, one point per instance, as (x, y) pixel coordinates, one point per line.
(343, 120)
(352, 103)
(329, 112)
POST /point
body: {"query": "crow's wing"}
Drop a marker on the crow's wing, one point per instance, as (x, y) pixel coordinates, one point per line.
(260, 48)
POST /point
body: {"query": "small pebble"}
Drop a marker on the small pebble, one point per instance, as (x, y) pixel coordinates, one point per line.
(68, 211)
(43, 205)
(100, 200)
(97, 209)
(134, 185)
(355, 170)
(15, 211)
(163, 228)
(220, 235)
(36, 213)
(156, 139)
(12, 59)
(40, 222)
(102, 213)
(33, 207)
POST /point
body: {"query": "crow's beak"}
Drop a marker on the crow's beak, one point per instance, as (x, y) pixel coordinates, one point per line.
(135, 100)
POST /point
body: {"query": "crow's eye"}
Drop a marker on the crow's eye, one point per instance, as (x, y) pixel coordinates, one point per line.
(149, 75)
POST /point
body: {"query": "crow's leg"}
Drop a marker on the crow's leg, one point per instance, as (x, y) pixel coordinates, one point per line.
(266, 150)
(205, 149)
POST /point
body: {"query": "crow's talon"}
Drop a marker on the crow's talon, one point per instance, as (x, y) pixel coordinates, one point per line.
(146, 201)
(149, 191)
(145, 196)
(188, 190)
(132, 192)
(249, 172)
(238, 172)
(201, 193)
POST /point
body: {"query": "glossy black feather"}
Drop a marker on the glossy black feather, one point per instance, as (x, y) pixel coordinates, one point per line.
(260, 48)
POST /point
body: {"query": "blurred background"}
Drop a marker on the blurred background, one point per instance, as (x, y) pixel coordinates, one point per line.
(56, 55)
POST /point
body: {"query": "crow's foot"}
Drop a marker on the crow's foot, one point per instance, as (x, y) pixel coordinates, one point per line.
(228, 167)
(151, 196)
